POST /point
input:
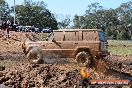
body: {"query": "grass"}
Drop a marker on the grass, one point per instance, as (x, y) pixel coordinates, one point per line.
(42, 36)
(117, 47)
(120, 42)
(9, 63)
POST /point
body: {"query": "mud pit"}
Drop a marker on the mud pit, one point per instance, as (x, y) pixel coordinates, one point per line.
(62, 74)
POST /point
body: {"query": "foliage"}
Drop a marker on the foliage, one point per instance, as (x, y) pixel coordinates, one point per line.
(4, 10)
(76, 21)
(117, 23)
(65, 21)
(35, 13)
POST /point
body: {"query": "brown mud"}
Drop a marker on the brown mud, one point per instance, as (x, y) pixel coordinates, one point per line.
(64, 73)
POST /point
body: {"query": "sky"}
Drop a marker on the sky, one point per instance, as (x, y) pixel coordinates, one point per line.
(72, 7)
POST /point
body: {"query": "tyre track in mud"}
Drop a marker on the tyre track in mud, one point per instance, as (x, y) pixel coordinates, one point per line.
(121, 74)
(120, 66)
(11, 55)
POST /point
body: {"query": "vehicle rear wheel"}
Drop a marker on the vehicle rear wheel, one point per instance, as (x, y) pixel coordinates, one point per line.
(35, 55)
(83, 58)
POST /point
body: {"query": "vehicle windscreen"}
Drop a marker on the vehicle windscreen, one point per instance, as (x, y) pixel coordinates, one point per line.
(102, 36)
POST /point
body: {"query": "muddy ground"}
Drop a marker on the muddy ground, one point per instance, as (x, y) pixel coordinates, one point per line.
(16, 72)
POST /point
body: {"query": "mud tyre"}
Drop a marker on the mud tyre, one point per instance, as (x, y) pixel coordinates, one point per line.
(83, 59)
(35, 56)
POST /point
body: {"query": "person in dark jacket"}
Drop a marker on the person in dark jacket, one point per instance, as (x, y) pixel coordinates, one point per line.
(8, 23)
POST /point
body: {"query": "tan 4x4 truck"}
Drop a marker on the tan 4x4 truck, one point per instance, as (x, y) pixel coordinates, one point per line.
(82, 44)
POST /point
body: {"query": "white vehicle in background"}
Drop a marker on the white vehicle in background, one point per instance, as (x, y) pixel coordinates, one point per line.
(28, 28)
(19, 28)
(37, 30)
(24, 28)
(46, 30)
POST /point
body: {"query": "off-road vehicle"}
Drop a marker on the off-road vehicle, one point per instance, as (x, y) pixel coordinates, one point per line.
(82, 44)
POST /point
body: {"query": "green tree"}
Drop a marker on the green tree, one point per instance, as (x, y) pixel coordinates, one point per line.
(76, 21)
(4, 10)
(117, 23)
(35, 13)
(93, 16)
(65, 21)
(124, 35)
(125, 16)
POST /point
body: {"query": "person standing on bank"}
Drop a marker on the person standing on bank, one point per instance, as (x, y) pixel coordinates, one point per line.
(8, 28)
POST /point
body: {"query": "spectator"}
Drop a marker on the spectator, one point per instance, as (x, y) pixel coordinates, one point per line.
(8, 23)
(12, 26)
(3, 27)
